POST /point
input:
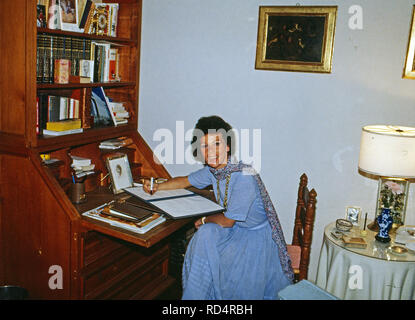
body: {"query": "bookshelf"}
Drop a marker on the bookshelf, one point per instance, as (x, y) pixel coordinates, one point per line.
(39, 225)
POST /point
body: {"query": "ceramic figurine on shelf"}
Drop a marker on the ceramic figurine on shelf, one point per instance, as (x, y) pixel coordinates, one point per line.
(385, 221)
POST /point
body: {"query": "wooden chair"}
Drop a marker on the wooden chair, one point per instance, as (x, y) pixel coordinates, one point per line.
(299, 250)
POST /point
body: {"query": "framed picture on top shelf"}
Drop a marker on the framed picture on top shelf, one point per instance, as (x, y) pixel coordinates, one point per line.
(296, 38)
(409, 68)
(69, 15)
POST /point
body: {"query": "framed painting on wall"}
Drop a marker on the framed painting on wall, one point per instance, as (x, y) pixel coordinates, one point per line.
(295, 38)
(409, 68)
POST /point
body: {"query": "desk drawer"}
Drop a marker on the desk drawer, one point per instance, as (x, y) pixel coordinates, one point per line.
(121, 270)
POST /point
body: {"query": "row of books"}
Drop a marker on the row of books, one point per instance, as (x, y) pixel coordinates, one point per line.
(86, 16)
(53, 111)
(55, 47)
(59, 115)
(93, 61)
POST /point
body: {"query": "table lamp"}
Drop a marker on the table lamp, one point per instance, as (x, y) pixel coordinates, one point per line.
(389, 153)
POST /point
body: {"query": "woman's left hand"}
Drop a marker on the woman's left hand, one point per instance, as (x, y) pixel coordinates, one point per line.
(198, 223)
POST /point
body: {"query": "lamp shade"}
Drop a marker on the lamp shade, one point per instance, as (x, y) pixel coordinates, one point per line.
(388, 151)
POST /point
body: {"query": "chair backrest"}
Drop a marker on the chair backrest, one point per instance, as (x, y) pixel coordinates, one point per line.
(303, 224)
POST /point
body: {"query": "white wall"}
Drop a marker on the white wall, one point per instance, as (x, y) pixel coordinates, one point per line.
(198, 59)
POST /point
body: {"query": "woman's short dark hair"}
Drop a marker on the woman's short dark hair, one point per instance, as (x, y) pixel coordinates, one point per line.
(212, 124)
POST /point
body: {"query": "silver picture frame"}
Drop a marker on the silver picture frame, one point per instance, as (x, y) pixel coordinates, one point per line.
(120, 173)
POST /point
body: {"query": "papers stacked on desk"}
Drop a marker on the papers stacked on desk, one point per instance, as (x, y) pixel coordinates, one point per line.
(115, 218)
(82, 166)
(179, 203)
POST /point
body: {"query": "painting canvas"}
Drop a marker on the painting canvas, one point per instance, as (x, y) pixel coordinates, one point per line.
(296, 38)
(409, 68)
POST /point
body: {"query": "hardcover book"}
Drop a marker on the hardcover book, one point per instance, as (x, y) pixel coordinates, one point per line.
(64, 125)
(62, 70)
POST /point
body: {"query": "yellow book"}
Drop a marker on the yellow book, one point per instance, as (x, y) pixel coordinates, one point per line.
(64, 125)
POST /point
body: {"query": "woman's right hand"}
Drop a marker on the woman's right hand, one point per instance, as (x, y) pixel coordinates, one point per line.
(147, 186)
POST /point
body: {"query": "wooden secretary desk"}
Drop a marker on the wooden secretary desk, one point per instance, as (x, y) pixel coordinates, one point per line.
(40, 228)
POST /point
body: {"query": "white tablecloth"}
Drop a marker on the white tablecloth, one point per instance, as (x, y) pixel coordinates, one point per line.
(374, 273)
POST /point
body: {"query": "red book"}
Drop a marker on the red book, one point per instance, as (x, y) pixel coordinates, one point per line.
(113, 68)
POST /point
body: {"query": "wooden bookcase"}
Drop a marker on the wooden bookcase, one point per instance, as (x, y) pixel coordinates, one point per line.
(40, 228)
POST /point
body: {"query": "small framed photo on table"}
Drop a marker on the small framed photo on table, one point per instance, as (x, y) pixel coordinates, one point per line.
(353, 214)
(120, 172)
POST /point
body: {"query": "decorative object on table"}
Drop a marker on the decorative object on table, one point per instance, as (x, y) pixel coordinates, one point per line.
(120, 172)
(343, 225)
(337, 234)
(364, 232)
(296, 38)
(398, 250)
(355, 242)
(353, 215)
(409, 68)
(388, 152)
(385, 222)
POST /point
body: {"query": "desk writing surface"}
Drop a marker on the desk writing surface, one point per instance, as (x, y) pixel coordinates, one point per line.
(178, 203)
(104, 195)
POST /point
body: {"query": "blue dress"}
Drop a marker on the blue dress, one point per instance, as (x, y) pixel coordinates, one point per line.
(241, 262)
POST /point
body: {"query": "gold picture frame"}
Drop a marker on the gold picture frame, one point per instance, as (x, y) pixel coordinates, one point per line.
(296, 38)
(409, 68)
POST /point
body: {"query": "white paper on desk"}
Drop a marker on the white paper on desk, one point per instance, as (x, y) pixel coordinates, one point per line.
(139, 192)
(178, 203)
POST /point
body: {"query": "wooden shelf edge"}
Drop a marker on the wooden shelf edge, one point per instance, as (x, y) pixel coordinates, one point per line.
(86, 35)
(88, 136)
(49, 86)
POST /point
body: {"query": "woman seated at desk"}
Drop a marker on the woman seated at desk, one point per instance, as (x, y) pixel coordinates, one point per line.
(240, 253)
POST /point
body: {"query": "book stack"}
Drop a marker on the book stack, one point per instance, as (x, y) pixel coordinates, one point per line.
(126, 216)
(63, 127)
(117, 143)
(82, 166)
(120, 113)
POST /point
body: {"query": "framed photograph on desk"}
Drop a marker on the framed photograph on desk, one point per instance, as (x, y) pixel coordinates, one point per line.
(120, 172)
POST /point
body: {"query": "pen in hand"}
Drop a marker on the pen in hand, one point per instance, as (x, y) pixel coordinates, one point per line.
(151, 185)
